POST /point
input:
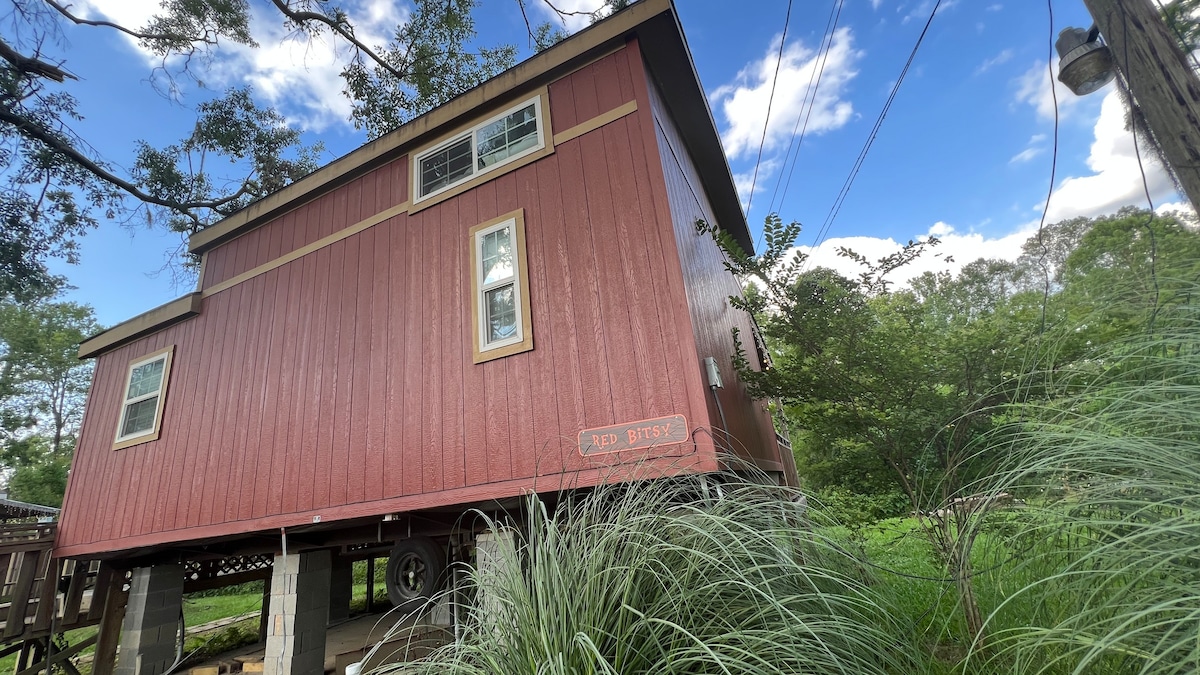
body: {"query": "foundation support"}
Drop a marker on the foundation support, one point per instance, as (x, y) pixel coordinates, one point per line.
(151, 626)
(494, 551)
(300, 585)
(341, 590)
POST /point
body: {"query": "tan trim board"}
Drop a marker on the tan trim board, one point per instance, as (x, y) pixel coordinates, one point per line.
(526, 343)
(158, 408)
(200, 275)
(143, 324)
(507, 86)
(305, 250)
(595, 123)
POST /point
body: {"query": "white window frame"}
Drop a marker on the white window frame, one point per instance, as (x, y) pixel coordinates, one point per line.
(522, 339)
(152, 433)
(538, 116)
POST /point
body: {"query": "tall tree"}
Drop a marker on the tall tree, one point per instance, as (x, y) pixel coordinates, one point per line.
(42, 389)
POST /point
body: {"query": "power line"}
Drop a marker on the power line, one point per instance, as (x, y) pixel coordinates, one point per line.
(1053, 171)
(862, 155)
(814, 85)
(770, 102)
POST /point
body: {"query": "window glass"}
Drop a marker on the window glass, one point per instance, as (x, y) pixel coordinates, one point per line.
(139, 416)
(500, 297)
(497, 256)
(446, 166)
(507, 136)
(145, 379)
(501, 313)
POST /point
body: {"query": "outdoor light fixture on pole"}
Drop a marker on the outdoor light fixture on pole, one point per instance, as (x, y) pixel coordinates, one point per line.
(1140, 47)
(1085, 64)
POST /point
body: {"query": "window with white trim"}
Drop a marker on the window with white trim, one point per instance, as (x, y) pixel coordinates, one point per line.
(141, 407)
(501, 139)
(500, 288)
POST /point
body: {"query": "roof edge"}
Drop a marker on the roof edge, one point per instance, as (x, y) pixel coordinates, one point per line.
(511, 82)
(141, 325)
(693, 116)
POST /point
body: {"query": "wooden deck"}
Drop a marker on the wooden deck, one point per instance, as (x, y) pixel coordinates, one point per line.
(41, 596)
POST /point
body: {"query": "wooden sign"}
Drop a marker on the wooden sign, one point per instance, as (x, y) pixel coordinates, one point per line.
(634, 435)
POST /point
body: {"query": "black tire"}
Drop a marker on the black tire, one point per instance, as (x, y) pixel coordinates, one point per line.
(416, 568)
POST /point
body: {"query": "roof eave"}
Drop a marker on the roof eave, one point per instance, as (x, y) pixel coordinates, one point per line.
(665, 48)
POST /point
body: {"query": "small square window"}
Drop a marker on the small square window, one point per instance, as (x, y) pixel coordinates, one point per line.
(141, 407)
(500, 288)
(446, 166)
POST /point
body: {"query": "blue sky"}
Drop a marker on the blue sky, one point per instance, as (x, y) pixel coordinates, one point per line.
(964, 152)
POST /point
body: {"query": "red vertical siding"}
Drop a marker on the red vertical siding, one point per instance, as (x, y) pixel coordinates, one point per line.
(709, 286)
(341, 384)
(289, 231)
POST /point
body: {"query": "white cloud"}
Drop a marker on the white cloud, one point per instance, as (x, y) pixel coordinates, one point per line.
(1026, 155)
(950, 255)
(1033, 149)
(1003, 57)
(923, 9)
(743, 103)
(299, 76)
(129, 13)
(744, 181)
(1116, 179)
(876, 3)
(995, 8)
(1033, 87)
(1182, 208)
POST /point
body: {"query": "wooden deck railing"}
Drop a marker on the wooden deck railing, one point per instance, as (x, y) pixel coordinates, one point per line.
(39, 593)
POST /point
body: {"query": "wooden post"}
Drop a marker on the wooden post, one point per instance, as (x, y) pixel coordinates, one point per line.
(110, 584)
(264, 614)
(1158, 76)
(371, 585)
(14, 624)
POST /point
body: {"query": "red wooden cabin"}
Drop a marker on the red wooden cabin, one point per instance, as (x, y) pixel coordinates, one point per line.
(506, 294)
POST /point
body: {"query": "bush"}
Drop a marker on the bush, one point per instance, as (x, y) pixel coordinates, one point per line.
(1114, 585)
(645, 578)
(853, 509)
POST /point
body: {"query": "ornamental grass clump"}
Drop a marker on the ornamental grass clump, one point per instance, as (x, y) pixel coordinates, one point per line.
(1114, 550)
(652, 577)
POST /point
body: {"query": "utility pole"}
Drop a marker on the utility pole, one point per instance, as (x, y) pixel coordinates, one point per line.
(1158, 76)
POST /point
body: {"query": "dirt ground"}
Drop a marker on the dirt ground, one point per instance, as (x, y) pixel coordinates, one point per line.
(349, 641)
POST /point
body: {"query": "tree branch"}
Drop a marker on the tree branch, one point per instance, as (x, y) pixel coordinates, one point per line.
(302, 17)
(32, 66)
(133, 33)
(36, 132)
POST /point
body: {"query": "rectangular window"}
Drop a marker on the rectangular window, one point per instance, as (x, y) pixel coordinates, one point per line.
(144, 391)
(501, 139)
(500, 292)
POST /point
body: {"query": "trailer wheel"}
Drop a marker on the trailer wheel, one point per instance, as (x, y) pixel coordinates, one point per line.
(415, 570)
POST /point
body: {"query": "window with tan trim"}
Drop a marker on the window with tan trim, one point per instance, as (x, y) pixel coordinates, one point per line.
(142, 403)
(500, 288)
(515, 133)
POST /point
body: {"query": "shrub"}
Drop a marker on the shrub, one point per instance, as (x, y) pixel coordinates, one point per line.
(647, 578)
(1114, 581)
